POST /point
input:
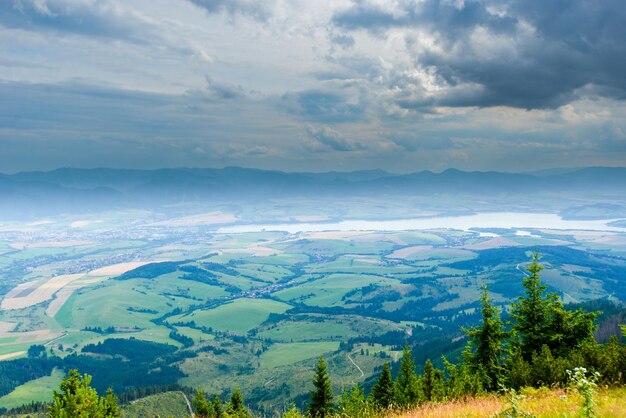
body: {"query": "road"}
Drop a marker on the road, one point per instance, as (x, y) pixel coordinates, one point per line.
(357, 366)
(188, 405)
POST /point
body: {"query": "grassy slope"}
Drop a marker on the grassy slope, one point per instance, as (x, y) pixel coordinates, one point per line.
(39, 390)
(168, 404)
(549, 404)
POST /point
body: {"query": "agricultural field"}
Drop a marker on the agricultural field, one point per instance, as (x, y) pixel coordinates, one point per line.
(255, 309)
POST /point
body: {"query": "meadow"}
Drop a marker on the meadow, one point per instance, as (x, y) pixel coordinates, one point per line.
(256, 309)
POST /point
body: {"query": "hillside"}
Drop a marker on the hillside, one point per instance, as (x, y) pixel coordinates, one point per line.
(542, 403)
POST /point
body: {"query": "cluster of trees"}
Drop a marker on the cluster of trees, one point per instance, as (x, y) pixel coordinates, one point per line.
(78, 399)
(537, 347)
(205, 408)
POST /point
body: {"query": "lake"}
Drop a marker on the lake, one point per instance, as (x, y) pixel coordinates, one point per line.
(479, 220)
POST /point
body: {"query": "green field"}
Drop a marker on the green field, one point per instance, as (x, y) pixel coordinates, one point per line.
(324, 294)
(240, 315)
(38, 390)
(167, 404)
(329, 290)
(284, 354)
(306, 330)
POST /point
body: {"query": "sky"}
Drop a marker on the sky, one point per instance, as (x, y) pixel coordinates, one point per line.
(301, 85)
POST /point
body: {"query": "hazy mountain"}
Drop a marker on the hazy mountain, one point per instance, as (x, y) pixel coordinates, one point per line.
(75, 190)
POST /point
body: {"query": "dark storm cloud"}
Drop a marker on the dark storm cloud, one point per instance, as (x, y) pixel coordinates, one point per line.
(429, 13)
(258, 10)
(83, 18)
(521, 53)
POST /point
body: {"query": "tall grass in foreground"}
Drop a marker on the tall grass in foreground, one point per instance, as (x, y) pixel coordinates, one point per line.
(542, 402)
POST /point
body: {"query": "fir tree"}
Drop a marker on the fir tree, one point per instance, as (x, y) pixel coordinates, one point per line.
(353, 404)
(531, 313)
(429, 380)
(540, 319)
(236, 407)
(383, 391)
(217, 407)
(201, 406)
(78, 399)
(406, 385)
(321, 404)
(484, 349)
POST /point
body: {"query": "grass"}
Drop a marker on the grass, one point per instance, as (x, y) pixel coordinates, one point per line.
(240, 315)
(543, 403)
(305, 330)
(329, 290)
(108, 304)
(284, 354)
(38, 390)
(167, 404)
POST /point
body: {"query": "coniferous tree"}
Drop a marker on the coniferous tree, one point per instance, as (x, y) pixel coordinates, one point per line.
(406, 385)
(540, 319)
(235, 407)
(218, 410)
(531, 313)
(321, 404)
(383, 391)
(78, 399)
(201, 406)
(429, 380)
(354, 405)
(484, 350)
(110, 404)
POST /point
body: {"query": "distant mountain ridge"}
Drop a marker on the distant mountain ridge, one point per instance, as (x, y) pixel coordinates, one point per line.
(105, 188)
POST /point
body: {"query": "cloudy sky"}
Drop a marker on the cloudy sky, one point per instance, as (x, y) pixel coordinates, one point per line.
(301, 85)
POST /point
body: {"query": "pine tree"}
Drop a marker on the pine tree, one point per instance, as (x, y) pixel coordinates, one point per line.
(110, 405)
(429, 380)
(236, 407)
(353, 404)
(383, 391)
(217, 407)
(78, 399)
(406, 385)
(484, 349)
(201, 406)
(531, 313)
(321, 404)
(540, 319)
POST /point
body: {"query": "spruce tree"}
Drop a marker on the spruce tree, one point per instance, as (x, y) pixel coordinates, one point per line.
(406, 385)
(217, 407)
(110, 405)
(236, 407)
(201, 406)
(429, 380)
(353, 403)
(484, 349)
(383, 391)
(540, 319)
(78, 399)
(531, 313)
(321, 404)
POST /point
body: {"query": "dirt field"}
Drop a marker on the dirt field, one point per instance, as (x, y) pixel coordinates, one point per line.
(405, 252)
(49, 244)
(492, 243)
(117, 269)
(32, 293)
(12, 355)
(212, 218)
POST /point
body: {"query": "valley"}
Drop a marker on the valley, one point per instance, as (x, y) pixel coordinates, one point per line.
(253, 306)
